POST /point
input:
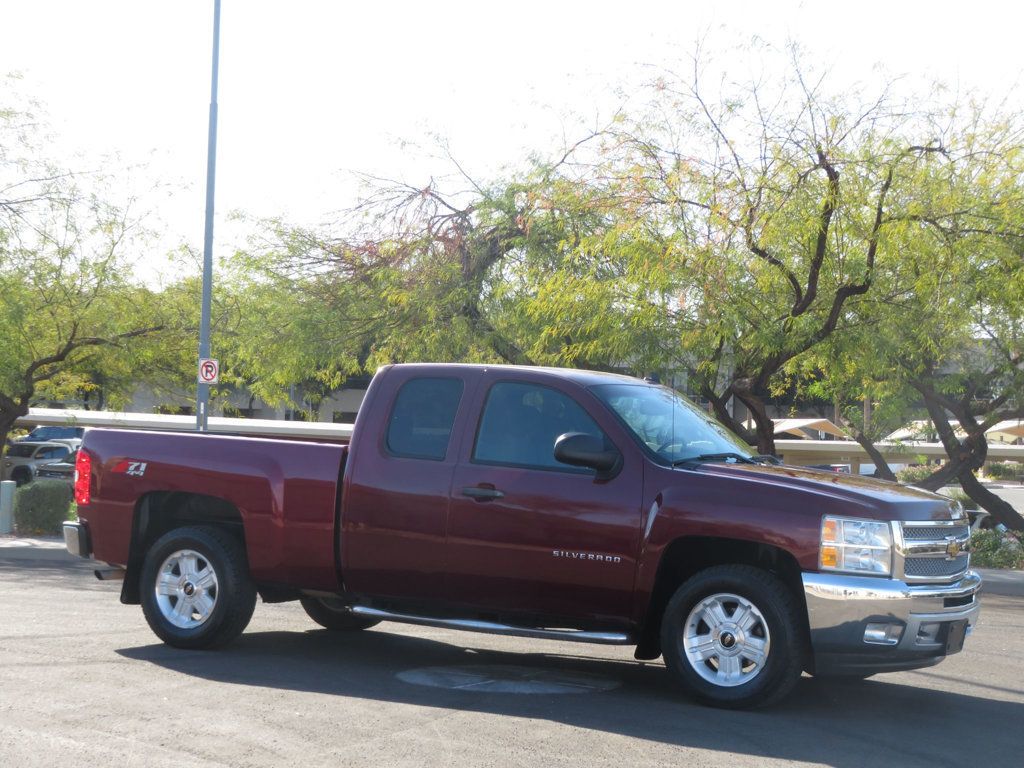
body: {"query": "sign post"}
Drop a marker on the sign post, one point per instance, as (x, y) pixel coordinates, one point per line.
(203, 389)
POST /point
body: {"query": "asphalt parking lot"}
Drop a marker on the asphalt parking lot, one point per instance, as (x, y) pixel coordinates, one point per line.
(84, 682)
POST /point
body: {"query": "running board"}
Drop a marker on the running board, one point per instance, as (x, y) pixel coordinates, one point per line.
(492, 628)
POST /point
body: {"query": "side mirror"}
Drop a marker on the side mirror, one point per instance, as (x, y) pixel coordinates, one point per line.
(579, 449)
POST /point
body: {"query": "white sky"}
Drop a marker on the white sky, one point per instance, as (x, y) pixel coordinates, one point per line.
(311, 89)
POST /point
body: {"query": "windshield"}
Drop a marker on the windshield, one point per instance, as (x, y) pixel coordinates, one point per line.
(670, 425)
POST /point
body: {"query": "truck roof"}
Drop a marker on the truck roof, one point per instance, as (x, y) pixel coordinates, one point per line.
(576, 375)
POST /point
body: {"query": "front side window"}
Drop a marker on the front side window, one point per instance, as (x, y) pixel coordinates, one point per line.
(668, 424)
(422, 418)
(521, 422)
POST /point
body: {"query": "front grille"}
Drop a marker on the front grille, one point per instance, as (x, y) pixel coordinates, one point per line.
(935, 567)
(933, 533)
(925, 546)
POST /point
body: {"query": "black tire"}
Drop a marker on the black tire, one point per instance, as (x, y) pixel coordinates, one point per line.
(21, 476)
(777, 628)
(233, 596)
(334, 615)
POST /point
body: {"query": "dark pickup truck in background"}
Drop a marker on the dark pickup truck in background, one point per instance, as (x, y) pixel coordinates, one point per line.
(547, 503)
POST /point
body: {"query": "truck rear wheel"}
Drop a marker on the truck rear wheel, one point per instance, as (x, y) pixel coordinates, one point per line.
(731, 636)
(334, 615)
(195, 588)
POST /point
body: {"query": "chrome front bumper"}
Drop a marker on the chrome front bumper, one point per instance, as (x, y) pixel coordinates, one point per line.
(925, 622)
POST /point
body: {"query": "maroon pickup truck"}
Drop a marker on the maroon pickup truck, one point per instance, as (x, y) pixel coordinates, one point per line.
(548, 503)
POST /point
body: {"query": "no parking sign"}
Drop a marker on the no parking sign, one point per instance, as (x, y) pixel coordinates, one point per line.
(209, 371)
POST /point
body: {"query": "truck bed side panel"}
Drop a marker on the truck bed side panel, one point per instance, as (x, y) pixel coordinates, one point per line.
(285, 491)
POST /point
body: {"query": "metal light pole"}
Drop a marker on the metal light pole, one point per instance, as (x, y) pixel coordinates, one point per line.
(203, 389)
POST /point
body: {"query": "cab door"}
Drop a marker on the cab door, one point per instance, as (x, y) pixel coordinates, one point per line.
(398, 482)
(529, 535)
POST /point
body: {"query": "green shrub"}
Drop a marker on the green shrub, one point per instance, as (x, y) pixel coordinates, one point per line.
(1004, 470)
(911, 475)
(41, 507)
(996, 549)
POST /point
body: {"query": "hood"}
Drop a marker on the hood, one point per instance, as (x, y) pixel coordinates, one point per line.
(891, 500)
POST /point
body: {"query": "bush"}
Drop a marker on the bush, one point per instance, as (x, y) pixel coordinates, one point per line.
(1004, 470)
(996, 549)
(911, 475)
(41, 507)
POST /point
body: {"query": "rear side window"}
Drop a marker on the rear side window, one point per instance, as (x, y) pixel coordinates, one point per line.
(422, 417)
(521, 422)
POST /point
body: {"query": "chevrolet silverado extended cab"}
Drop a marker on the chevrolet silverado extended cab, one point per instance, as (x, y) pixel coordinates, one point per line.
(546, 503)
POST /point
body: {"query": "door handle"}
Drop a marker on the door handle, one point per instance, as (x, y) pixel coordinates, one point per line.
(482, 494)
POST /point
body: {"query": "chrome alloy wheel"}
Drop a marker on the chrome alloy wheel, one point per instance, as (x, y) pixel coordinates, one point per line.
(186, 589)
(726, 640)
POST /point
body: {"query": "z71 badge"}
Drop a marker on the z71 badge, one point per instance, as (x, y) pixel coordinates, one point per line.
(129, 467)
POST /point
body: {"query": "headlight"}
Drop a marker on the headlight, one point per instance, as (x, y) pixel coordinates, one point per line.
(855, 545)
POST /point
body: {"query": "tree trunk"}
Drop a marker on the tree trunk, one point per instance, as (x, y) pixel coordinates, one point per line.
(942, 476)
(7, 419)
(1000, 509)
(764, 425)
(882, 468)
(966, 456)
(718, 405)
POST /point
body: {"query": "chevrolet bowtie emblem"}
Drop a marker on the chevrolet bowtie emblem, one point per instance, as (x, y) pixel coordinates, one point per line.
(952, 547)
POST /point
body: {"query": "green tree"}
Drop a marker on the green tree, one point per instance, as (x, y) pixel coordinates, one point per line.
(953, 340)
(743, 229)
(66, 295)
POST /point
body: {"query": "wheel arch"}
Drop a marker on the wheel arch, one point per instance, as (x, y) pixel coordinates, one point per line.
(688, 555)
(158, 512)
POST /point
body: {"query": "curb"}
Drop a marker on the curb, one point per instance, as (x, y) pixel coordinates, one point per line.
(34, 548)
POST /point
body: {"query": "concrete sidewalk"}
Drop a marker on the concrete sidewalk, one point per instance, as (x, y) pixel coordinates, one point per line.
(34, 548)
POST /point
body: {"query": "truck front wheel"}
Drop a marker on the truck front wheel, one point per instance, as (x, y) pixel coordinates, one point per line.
(731, 636)
(195, 588)
(335, 615)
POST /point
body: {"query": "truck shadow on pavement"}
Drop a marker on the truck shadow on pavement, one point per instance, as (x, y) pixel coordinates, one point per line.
(842, 724)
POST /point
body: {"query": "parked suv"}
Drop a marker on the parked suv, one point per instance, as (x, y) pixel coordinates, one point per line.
(23, 458)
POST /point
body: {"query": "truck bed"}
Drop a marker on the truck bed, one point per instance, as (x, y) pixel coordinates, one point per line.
(286, 492)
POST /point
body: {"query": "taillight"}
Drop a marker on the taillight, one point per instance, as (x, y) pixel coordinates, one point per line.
(83, 477)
